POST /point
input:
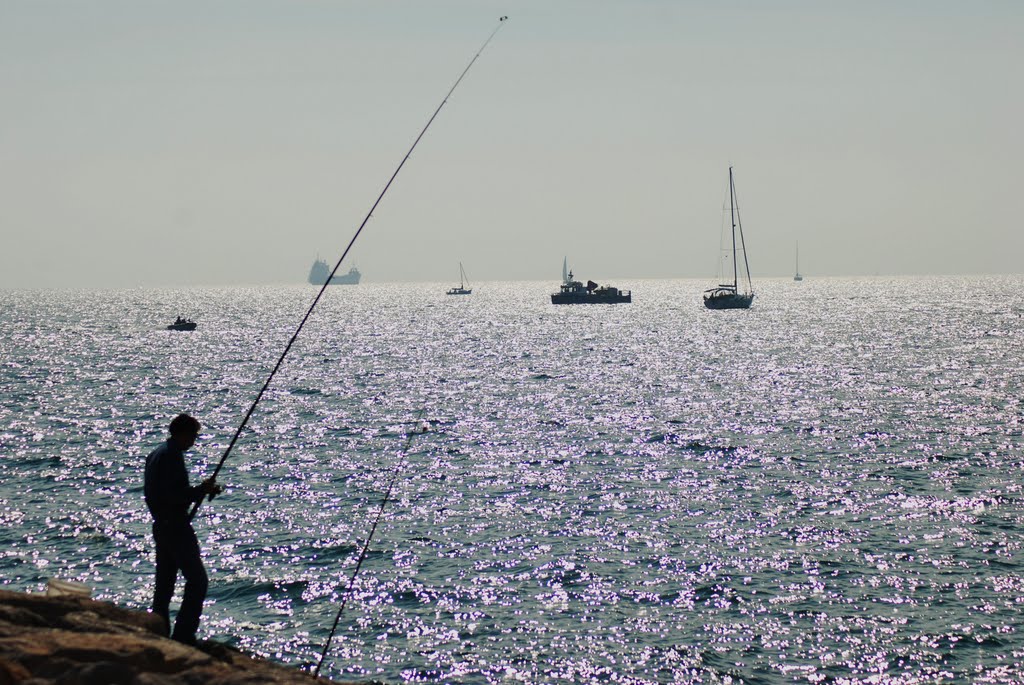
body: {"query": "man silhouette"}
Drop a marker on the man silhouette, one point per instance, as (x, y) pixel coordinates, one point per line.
(168, 496)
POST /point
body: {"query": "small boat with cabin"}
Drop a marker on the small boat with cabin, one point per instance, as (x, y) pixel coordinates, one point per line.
(575, 292)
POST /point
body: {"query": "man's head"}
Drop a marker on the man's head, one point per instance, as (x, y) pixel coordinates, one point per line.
(184, 430)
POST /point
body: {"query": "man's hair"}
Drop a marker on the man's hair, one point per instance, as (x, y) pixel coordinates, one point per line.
(183, 424)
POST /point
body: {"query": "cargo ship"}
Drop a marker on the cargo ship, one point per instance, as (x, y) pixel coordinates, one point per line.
(320, 271)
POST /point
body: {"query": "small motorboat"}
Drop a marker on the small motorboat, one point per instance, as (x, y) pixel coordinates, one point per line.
(182, 324)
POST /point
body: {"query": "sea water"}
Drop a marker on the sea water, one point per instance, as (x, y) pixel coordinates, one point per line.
(823, 488)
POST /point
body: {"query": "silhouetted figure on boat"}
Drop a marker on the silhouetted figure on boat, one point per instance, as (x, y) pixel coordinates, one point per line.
(169, 496)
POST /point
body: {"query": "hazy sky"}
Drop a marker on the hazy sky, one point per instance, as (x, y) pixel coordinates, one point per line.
(148, 143)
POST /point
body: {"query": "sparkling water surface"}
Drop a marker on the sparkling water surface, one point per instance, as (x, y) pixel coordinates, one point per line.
(824, 488)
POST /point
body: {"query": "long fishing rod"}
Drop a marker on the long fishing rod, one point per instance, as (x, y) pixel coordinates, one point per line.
(366, 544)
(380, 197)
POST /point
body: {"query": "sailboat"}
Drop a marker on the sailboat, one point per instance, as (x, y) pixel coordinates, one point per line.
(728, 295)
(461, 289)
(797, 276)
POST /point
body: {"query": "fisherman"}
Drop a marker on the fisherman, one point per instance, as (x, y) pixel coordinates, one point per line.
(168, 496)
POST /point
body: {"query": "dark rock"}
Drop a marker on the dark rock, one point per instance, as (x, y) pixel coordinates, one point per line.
(100, 673)
(11, 673)
(78, 641)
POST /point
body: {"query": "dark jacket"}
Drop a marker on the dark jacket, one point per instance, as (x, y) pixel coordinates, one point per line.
(168, 494)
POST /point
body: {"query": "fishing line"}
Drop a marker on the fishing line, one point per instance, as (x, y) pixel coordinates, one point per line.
(288, 347)
(366, 543)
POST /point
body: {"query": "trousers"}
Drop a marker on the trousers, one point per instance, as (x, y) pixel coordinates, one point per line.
(177, 549)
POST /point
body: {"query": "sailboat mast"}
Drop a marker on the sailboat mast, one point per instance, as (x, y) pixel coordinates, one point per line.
(732, 215)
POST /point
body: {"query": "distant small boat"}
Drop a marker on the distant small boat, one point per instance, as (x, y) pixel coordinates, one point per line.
(797, 276)
(461, 289)
(728, 295)
(320, 271)
(182, 324)
(574, 292)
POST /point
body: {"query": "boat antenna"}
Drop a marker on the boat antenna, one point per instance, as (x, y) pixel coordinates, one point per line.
(366, 543)
(337, 265)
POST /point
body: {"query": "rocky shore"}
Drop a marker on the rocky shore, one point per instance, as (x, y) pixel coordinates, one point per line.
(76, 641)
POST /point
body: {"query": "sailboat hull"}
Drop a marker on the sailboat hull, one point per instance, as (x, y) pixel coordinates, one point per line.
(728, 301)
